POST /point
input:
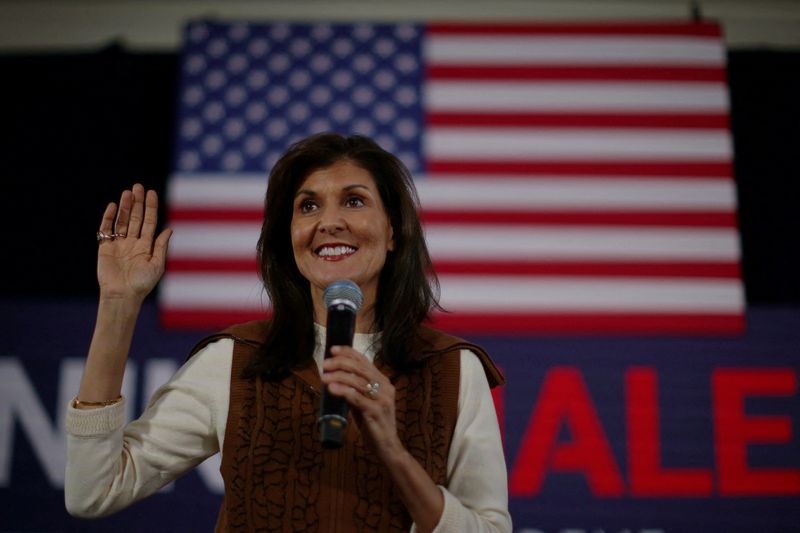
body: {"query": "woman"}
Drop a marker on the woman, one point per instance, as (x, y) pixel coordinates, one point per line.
(423, 451)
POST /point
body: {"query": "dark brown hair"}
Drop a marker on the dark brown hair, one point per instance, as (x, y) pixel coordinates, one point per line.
(407, 287)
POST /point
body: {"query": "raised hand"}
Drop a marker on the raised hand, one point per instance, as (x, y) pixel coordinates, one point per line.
(130, 260)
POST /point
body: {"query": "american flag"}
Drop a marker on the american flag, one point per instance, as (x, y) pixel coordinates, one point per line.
(574, 178)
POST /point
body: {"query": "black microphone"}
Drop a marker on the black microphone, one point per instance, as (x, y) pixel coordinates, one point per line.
(342, 299)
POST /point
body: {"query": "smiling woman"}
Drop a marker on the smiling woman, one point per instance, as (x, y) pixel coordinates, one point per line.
(423, 451)
(340, 230)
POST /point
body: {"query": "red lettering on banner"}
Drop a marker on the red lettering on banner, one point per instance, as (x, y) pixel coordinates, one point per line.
(735, 430)
(646, 476)
(564, 399)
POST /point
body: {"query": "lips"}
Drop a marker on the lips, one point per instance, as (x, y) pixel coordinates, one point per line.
(335, 252)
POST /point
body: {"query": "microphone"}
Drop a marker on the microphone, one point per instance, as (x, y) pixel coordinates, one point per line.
(342, 298)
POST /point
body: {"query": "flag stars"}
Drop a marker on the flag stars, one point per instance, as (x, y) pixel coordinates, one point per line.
(232, 161)
(321, 32)
(189, 160)
(278, 96)
(385, 47)
(363, 32)
(237, 63)
(279, 82)
(257, 79)
(341, 112)
(320, 95)
(320, 63)
(254, 145)
(384, 79)
(198, 32)
(256, 112)
(238, 32)
(363, 63)
(342, 48)
(217, 47)
(215, 79)
(213, 112)
(211, 145)
(258, 47)
(193, 95)
(406, 32)
(195, 64)
(235, 96)
(299, 48)
(342, 80)
(299, 79)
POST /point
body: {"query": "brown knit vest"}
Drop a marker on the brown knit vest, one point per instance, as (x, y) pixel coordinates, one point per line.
(279, 478)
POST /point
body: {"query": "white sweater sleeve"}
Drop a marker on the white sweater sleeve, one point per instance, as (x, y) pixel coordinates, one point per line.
(109, 467)
(476, 495)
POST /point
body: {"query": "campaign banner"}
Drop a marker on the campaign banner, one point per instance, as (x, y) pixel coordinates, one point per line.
(601, 433)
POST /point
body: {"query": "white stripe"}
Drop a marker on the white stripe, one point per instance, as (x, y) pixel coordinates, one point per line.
(217, 190)
(486, 294)
(523, 242)
(484, 242)
(556, 194)
(214, 240)
(235, 292)
(550, 50)
(223, 292)
(574, 97)
(541, 194)
(514, 144)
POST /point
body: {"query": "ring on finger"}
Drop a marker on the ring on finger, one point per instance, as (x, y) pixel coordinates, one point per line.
(372, 389)
(101, 236)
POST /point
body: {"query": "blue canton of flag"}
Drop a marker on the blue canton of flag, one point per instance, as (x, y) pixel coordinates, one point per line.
(250, 90)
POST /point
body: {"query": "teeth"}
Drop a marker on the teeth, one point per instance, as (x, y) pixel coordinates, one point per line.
(331, 251)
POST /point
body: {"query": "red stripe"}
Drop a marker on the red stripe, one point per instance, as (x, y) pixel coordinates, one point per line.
(712, 169)
(207, 319)
(675, 269)
(700, 29)
(581, 120)
(476, 324)
(583, 218)
(213, 214)
(590, 324)
(575, 73)
(217, 266)
(663, 269)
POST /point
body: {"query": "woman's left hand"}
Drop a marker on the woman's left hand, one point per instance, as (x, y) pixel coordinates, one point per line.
(351, 375)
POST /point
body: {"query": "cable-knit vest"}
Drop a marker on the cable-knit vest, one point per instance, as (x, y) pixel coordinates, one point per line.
(279, 478)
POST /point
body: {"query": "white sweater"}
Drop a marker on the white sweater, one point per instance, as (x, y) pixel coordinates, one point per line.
(110, 466)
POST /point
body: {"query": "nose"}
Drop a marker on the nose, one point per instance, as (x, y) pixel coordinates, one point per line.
(331, 221)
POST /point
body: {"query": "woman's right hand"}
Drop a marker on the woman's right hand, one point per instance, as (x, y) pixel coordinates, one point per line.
(130, 265)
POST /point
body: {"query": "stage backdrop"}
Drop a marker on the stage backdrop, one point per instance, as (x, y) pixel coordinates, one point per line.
(611, 434)
(577, 191)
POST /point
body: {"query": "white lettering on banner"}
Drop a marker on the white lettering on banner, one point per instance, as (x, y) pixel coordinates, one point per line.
(20, 402)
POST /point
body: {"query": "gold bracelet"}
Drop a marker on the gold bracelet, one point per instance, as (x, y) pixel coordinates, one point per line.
(77, 404)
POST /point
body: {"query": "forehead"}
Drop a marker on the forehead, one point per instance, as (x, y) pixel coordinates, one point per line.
(340, 174)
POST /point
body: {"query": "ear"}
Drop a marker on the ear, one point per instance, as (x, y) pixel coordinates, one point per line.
(391, 239)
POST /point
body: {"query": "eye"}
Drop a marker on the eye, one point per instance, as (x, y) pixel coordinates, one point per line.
(354, 201)
(307, 206)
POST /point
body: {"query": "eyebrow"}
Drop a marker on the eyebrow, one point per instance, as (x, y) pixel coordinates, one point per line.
(347, 188)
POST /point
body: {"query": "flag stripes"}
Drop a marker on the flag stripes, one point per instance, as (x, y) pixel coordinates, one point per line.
(573, 178)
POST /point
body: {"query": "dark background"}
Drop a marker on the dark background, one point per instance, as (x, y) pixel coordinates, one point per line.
(79, 128)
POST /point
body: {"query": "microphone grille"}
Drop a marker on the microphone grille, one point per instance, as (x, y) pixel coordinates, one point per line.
(343, 289)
